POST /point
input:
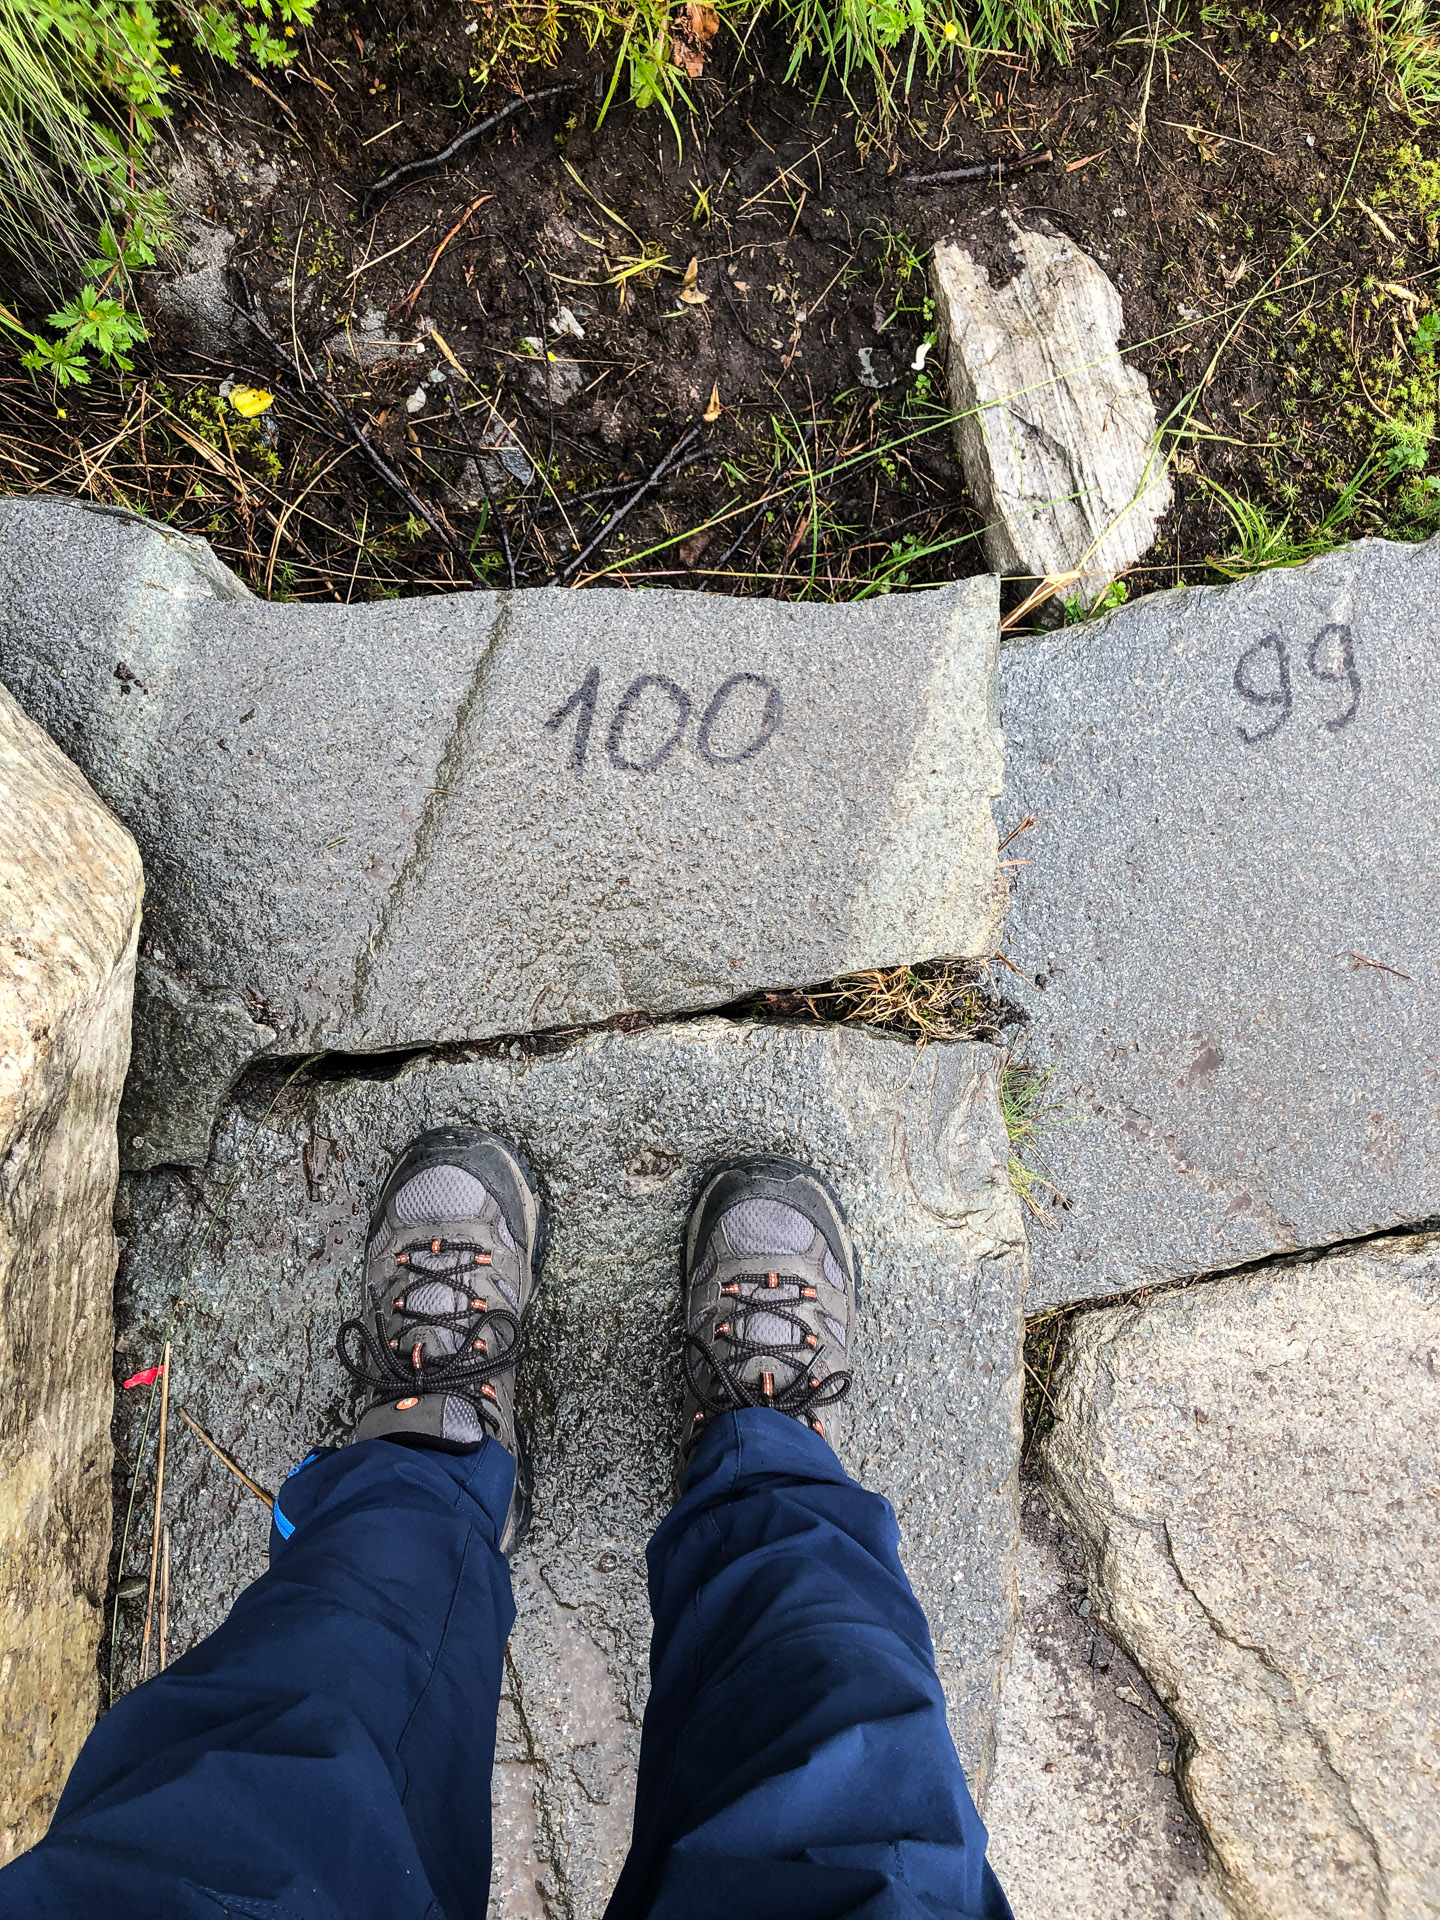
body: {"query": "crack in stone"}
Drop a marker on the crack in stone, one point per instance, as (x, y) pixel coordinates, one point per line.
(447, 768)
(1319, 1740)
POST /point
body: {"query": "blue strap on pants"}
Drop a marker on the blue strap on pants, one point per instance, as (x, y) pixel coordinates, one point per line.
(327, 1751)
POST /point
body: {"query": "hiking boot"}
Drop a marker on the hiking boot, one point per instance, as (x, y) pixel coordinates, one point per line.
(771, 1284)
(451, 1265)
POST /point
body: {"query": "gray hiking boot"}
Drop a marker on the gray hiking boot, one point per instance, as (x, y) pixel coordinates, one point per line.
(771, 1284)
(451, 1265)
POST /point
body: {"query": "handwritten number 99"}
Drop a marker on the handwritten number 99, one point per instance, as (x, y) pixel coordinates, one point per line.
(1263, 679)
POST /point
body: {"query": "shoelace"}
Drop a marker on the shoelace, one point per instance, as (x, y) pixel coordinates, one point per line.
(399, 1368)
(728, 1390)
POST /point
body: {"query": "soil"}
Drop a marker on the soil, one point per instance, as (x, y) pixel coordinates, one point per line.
(1193, 172)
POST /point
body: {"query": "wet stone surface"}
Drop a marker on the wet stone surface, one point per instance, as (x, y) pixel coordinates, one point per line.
(1250, 1466)
(422, 821)
(1083, 1812)
(1227, 925)
(620, 1129)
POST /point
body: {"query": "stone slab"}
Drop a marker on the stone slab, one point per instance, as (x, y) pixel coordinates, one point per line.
(1254, 1469)
(393, 825)
(70, 887)
(1084, 1818)
(1056, 433)
(620, 1128)
(1229, 926)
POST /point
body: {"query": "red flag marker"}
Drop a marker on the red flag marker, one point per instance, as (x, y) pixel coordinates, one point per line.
(146, 1378)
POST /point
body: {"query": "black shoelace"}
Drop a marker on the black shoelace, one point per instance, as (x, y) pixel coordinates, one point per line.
(392, 1371)
(727, 1389)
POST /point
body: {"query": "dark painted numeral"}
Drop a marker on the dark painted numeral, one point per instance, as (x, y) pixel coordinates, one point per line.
(1276, 695)
(649, 693)
(1263, 679)
(1341, 641)
(631, 699)
(769, 720)
(581, 703)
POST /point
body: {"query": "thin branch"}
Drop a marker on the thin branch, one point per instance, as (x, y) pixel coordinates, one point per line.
(159, 1496)
(357, 433)
(478, 456)
(417, 169)
(985, 170)
(653, 480)
(267, 1500)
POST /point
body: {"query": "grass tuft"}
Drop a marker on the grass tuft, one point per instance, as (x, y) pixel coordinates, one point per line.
(1027, 1110)
(938, 1001)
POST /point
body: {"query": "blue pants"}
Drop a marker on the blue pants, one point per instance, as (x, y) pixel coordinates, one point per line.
(326, 1753)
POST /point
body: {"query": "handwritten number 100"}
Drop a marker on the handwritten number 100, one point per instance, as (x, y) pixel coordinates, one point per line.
(583, 702)
(1263, 678)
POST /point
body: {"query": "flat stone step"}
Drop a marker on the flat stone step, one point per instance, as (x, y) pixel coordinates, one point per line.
(620, 1129)
(1252, 1467)
(400, 824)
(1229, 926)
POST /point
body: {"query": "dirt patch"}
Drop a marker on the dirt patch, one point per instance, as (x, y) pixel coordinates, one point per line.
(1269, 228)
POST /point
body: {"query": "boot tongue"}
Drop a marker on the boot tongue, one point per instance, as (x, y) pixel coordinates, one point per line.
(434, 1296)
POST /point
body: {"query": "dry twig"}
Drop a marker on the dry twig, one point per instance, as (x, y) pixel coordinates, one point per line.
(159, 1496)
(984, 170)
(267, 1500)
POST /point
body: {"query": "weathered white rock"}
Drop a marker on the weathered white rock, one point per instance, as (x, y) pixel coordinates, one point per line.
(1254, 1466)
(1227, 919)
(1085, 1821)
(69, 919)
(432, 820)
(1056, 434)
(620, 1129)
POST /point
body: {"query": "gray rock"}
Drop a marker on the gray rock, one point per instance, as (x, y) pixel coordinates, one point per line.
(197, 294)
(1083, 1812)
(191, 1046)
(1253, 1467)
(369, 343)
(620, 1128)
(394, 825)
(556, 379)
(1056, 434)
(70, 887)
(1232, 909)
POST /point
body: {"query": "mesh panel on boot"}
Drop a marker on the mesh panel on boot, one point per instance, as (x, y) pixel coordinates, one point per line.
(766, 1227)
(440, 1193)
(461, 1422)
(834, 1272)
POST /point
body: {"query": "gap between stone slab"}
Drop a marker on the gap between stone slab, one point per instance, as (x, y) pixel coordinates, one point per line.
(786, 1006)
(1045, 1332)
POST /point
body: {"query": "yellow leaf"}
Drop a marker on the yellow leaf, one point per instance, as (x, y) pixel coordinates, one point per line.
(248, 401)
(689, 291)
(712, 412)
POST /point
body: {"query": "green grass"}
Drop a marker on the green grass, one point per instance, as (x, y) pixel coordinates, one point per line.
(83, 86)
(1027, 1110)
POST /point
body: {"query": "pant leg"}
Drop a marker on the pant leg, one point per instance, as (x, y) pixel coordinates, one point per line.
(795, 1762)
(327, 1751)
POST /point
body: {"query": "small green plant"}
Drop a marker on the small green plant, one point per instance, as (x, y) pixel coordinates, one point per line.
(83, 85)
(1115, 595)
(1026, 1108)
(1261, 542)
